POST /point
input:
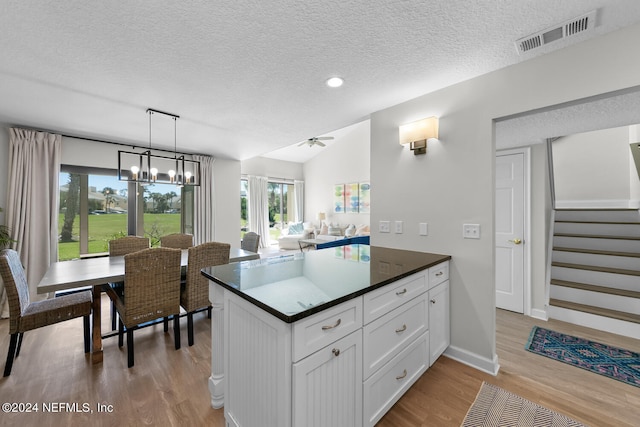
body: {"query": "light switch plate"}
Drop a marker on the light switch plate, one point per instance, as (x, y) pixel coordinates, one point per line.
(383, 226)
(424, 228)
(471, 231)
(398, 227)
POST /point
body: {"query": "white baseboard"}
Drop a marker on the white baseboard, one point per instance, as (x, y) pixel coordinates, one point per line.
(539, 314)
(475, 361)
(597, 204)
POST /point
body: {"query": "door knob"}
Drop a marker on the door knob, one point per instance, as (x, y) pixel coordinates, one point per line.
(516, 241)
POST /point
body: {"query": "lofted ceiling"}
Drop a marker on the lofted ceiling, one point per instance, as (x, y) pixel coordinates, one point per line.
(247, 77)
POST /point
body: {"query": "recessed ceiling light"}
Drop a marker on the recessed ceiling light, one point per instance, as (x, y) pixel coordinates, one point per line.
(335, 82)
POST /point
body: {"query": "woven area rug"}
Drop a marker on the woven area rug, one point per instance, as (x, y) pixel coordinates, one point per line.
(617, 363)
(495, 407)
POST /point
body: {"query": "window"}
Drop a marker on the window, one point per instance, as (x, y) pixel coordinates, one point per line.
(96, 207)
(280, 196)
(244, 216)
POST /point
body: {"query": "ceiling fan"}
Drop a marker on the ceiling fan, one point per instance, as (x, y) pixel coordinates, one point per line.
(316, 141)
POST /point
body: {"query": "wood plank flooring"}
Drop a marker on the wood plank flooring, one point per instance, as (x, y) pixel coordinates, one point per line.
(170, 388)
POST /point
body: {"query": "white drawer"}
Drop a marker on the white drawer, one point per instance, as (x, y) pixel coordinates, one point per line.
(386, 386)
(314, 332)
(387, 335)
(438, 274)
(381, 301)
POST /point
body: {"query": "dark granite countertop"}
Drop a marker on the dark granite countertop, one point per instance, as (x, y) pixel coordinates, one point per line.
(295, 286)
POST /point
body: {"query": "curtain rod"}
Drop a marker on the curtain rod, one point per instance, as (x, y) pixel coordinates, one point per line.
(109, 142)
(273, 178)
(124, 144)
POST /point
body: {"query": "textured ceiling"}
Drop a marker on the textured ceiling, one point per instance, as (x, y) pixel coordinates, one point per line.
(247, 77)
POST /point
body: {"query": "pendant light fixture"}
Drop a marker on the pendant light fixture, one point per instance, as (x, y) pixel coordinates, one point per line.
(148, 168)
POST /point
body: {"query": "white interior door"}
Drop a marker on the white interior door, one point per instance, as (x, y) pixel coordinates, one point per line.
(510, 228)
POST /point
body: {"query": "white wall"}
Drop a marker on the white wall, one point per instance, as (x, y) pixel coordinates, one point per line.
(272, 168)
(592, 169)
(346, 161)
(454, 182)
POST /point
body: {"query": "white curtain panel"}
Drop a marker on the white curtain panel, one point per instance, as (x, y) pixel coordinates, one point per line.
(32, 201)
(258, 208)
(298, 200)
(203, 203)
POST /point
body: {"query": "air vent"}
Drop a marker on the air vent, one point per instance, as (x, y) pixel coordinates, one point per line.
(579, 25)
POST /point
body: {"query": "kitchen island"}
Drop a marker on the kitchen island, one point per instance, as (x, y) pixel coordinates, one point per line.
(329, 337)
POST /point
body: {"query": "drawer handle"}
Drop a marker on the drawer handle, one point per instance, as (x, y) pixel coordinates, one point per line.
(326, 328)
(433, 301)
(402, 292)
(404, 374)
(404, 328)
(439, 273)
(336, 351)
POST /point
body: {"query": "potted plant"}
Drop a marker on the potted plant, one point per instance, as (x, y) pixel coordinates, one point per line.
(5, 236)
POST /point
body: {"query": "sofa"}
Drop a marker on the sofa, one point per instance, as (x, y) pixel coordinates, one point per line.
(294, 232)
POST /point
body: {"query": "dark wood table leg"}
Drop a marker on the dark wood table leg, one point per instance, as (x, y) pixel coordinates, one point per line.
(96, 349)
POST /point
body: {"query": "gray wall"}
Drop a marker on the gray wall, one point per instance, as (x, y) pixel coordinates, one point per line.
(454, 184)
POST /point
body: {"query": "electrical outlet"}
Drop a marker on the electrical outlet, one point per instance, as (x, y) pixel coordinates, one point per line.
(383, 226)
(424, 228)
(398, 227)
(471, 231)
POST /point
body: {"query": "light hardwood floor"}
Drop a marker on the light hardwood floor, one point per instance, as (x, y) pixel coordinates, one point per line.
(169, 387)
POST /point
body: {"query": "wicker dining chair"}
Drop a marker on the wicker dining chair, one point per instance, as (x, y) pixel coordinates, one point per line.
(250, 242)
(128, 244)
(25, 315)
(151, 291)
(177, 240)
(123, 246)
(195, 293)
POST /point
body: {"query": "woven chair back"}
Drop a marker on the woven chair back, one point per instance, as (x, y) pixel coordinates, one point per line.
(177, 241)
(196, 292)
(15, 283)
(127, 245)
(151, 285)
(250, 242)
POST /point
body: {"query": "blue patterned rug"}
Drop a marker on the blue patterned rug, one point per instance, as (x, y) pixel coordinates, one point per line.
(617, 363)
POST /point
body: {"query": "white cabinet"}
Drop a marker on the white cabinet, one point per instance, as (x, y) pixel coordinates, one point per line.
(344, 366)
(439, 322)
(327, 385)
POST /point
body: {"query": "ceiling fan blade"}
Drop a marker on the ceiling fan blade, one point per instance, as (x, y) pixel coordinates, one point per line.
(321, 144)
(302, 143)
(324, 138)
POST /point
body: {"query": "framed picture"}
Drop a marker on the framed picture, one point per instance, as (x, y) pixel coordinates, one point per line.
(351, 192)
(338, 198)
(364, 197)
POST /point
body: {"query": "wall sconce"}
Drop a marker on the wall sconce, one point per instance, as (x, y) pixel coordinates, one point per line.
(417, 133)
(147, 168)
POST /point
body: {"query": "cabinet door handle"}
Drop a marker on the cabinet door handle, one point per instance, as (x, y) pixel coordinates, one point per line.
(404, 328)
(439, 273)
(404, 374)
(404, 291)
(336, 351)
(326, 328)
(433, 301)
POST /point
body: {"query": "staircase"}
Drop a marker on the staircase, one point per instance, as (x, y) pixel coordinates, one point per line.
(595, 270)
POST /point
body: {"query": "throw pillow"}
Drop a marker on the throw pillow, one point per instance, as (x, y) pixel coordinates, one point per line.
(350, 230)
(335, 231)
(296, 228)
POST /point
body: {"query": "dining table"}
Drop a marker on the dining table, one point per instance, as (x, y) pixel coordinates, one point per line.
(97, 271)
